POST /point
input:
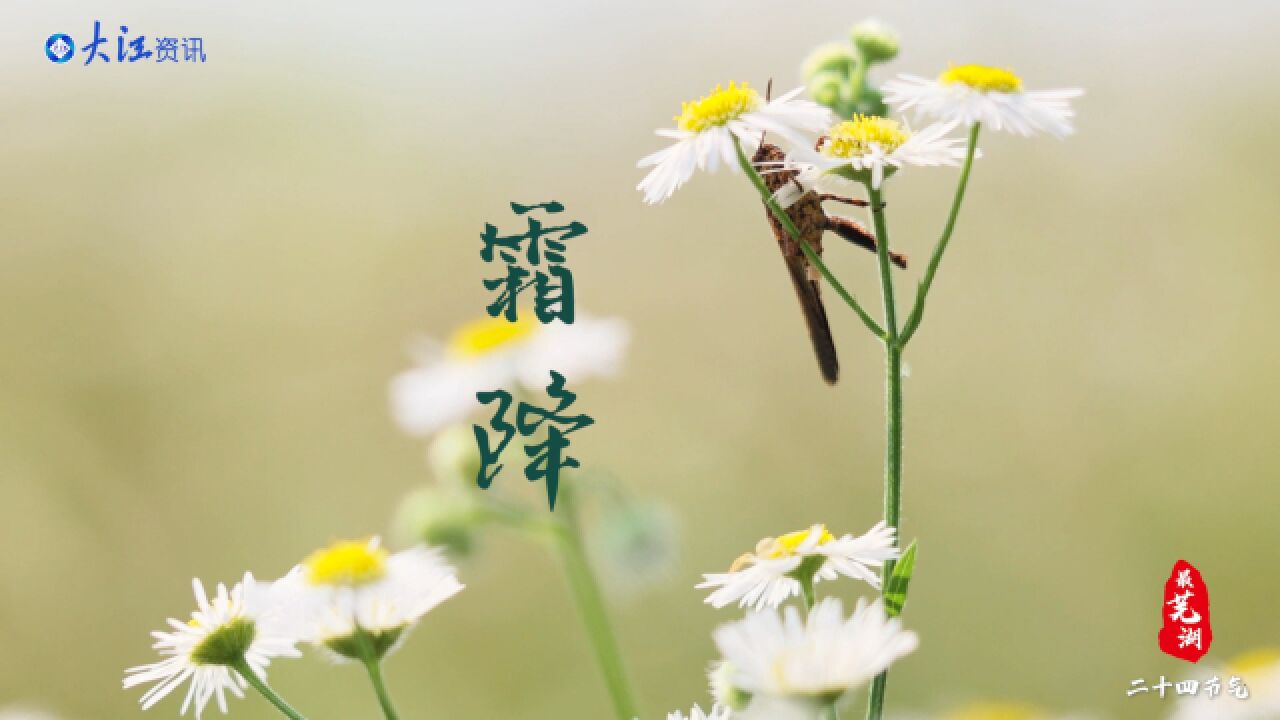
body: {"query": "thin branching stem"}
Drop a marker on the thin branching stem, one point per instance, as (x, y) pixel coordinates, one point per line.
(246, 672)
(922, 292)
(893, 410)
(595, 616)
(373, 665)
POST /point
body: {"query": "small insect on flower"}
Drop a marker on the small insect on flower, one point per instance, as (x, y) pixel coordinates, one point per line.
(815, 659)
(871, 148)
(234, 630)
(355, 599)
(968, 94)
(492, 353)
(804, 207)
(769, 576)
(707, 129)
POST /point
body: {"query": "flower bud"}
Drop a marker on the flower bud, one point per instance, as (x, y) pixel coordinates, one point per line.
(639, 543)
(826, 87)
(871, 102)
(453, 455)
(875, 41)
(831, 57)
(441, 516)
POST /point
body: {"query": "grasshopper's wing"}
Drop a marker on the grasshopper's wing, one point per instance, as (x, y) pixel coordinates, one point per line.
(808, 292)
(810, 220)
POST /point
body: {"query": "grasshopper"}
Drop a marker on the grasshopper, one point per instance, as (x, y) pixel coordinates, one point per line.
(812, 221)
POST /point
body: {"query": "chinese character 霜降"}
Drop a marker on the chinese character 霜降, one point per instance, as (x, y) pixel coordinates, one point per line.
(539, 252)
(546, 458)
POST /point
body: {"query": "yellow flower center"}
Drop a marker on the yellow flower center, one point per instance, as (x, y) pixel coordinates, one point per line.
(982, 77)
(1255, 661)
(718, 108)
(996, 711)
(346, 562)
(853, 138)
(485, 336)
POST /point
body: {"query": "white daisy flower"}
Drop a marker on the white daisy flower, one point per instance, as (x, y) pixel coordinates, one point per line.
(968, 94)
(706, 129)
(870, 147)
(354, 592)
(767, 577)
(818, 658)
(772, 707)
(720, 681)
(1258, 672)
(490, 354)
(242, 627)
(717, 713)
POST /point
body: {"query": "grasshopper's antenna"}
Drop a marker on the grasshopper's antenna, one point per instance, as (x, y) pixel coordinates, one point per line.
(768, 92)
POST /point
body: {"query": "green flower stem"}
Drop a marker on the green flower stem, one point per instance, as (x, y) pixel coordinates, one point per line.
(893, 412)
(857, 80)
(242, 666)
(791, 228)
(806, 591)
(373, 664)
(893, 372)
(922, 291)
(586, 591)
(807, 594)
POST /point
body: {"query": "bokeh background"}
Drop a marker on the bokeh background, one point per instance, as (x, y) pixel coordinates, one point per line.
(209, 273)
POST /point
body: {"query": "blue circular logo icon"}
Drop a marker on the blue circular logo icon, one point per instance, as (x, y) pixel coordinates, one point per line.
(59, 48)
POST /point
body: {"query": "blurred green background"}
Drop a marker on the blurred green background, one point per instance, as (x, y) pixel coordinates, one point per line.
(209, 273)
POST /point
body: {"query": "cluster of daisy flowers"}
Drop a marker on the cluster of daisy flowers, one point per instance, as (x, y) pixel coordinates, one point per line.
(789, 660)
(353, 600)
(864, 147)
(784, 662)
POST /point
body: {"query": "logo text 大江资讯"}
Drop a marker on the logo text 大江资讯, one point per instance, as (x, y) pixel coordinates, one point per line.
(125, 47)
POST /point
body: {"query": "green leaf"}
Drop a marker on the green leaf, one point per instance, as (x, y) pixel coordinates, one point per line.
(895, 588)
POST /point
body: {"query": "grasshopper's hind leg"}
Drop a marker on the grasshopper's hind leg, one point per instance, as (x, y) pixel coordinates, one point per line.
(856, 202)
(855, 233)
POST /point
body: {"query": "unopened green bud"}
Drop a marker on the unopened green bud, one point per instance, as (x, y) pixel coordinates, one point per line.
(877, 42)
(826, 87)
(446, 517)
(454, 456)
(639, 542)
(832, 57)
(871, 102)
